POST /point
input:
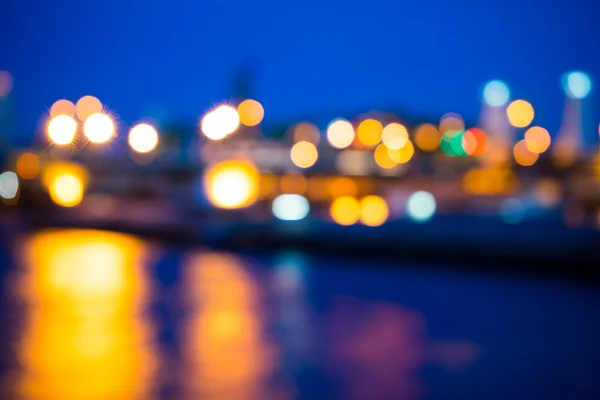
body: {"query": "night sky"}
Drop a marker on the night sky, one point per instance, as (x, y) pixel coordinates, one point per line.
(172, 60)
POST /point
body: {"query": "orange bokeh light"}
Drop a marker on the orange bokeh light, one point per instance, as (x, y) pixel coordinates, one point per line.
(62, 107)
(522, 154)
(86, 106)
(537, 139)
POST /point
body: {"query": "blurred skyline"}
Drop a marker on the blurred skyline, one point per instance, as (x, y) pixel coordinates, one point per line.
(172, 62)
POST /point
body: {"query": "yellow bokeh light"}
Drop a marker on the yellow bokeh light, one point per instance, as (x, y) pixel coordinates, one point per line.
(304, 154)
(220, 122)
(28, 166)
(99, 128)
(394, 136)
(62, 107)
(451, 122)
(66, 190)
(342, 186)
(87, 106)
(369, 132)
(62, 129)
(231, 184)
(293, 184)
(143, 138)
(382, 157)
(520, 113)
(345, 210)
(251, 112)
(340, 134)
(537, 139)
(428, 137)
(402, 155)
(522, 154)
(373, 210)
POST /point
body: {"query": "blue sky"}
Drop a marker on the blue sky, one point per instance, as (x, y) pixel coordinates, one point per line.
(174, 59)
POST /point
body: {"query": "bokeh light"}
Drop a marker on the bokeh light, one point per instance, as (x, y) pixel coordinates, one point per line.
(87, 106)
(143, 138)
(421, 206)
(66, 189)
(428, 137)
(373, 211)
(28, 166)
(304, 154)
(290, 207)
(475, 142)
(251, 112)
(522, 154)
(99, 128)
(345, 210)
(306, 132)
(520, 113)
(342, 186)
(369, 132)
(402, 155)
(451, 122)
(9, 185)
(394, 136)
(231, 184)
(577, 84)
(62, 129)
(6, 83)
(220, 122)
(62, 107)
(496, 93)
(537, 139)
(340, 133)
(382, 158)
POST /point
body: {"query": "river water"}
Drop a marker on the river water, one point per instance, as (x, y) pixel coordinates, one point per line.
(100, 315)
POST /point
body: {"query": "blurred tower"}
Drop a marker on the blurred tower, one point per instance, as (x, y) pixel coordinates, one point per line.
(6, 111)
(243, 88)
(495, 123)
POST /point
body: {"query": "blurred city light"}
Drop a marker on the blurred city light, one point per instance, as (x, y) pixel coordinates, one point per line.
(382, 158)
(220, 122)
(475, 142)
(489, 181)
(451, 122)
(369, 132)
(87, 106)
(290, 207)
(512, 211)
(340, 133)
(548, 192)
(373, 211)
(251, 112)
(345, 210)
(496, 93)
(143, 138)
(9, 185)
(231, 184)
(99, 128)
(428, 137)
(62, 107)
(66, 189)
(577, 84)
(523, 156)
(304, 154)
(520, 113)
(62, 129)
(342, 186)
(394, 136)
(402, 155)
(353, 162)
(537, 139)
(421, 206)
(294, 184)
(28, 166)
(6, 83)
(306, 132)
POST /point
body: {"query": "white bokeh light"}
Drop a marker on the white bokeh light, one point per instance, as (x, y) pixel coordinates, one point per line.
(9, 185)
(496, 93)
(143, 138)
(421, 206)
(290, 207)
(220, 122)
(99, 128)
(577, 84)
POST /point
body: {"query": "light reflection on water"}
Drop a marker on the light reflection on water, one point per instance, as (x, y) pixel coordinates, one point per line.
(93, 326)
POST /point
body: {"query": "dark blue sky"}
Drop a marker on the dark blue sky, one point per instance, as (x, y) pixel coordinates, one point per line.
(144, 57)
